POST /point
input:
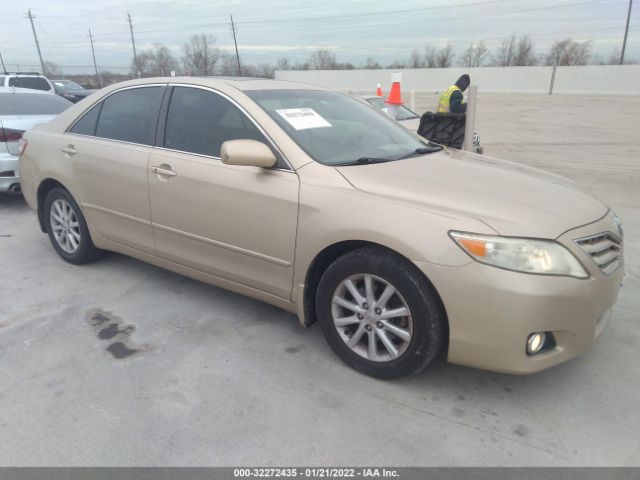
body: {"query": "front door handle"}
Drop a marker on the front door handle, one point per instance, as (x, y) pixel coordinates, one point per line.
(69, 149)
(163, 170)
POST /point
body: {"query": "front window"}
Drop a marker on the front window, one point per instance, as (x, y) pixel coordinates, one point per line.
(335, 129)
(200, 121)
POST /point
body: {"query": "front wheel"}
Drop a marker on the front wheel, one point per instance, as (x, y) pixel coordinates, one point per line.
(67, 228)
(379, 314)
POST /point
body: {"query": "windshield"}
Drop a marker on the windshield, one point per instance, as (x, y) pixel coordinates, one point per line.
(35, 83)
(403, 113)
(333, 128)
(32, 104)
(67, 85)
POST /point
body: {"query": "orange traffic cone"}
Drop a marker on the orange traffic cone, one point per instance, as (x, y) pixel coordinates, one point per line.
(395, 98)
(379, 91)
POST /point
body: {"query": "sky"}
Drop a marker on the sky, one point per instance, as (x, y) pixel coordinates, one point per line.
(269, 29)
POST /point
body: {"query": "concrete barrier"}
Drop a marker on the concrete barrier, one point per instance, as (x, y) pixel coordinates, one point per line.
(589, 79)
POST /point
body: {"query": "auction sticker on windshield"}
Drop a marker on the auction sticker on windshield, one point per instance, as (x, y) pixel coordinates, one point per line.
(303, 118)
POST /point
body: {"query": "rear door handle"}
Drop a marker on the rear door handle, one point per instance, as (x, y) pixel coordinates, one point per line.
(69, 149)
(163, 171)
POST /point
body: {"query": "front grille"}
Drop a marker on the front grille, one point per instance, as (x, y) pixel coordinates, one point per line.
(605, 249)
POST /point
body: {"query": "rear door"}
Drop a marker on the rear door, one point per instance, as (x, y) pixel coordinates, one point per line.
(235, 222)
(106, 152)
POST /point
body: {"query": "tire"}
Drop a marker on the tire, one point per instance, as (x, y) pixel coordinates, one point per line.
(425, 323)
(63, 215)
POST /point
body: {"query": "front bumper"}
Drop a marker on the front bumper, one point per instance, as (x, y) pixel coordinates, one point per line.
(492, 311)
(8, 163)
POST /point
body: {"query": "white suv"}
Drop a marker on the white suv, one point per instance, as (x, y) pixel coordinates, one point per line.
(32, 80)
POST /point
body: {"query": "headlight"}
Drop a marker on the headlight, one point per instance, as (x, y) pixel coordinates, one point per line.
(520, 254)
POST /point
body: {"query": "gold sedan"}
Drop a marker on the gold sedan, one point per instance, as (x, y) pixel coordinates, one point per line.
(312, 201)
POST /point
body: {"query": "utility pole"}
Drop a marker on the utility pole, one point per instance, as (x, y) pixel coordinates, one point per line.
(31, 17)
(233, 30)
(4, 69)
(626, 32)
(95, 65)
(133, 42)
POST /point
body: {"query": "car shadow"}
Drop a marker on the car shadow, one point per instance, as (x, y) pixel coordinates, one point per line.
(13, 203)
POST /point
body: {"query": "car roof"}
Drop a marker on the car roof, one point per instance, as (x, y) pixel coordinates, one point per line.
(20, 90)
(21, 74)
(240, 83)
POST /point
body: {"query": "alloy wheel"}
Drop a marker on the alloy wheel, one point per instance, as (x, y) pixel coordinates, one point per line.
(372, 318)
(65, 225)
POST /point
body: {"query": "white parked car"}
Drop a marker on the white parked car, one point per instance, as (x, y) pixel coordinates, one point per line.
(30, 80)
(20, 110)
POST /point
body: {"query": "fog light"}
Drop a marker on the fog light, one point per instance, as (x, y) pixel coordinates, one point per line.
(535, 342)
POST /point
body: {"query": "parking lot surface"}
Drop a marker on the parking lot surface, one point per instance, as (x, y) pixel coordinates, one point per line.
(195, 375)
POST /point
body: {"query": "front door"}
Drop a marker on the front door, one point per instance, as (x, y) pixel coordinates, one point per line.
(107, 152)
(234, 222)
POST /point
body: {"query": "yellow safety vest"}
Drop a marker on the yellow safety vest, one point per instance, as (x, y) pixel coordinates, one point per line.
(444, 105)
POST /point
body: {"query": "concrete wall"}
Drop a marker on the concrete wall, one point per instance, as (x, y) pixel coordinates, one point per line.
(591, 79)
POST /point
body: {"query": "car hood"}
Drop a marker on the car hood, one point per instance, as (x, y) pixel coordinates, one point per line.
(513, 199)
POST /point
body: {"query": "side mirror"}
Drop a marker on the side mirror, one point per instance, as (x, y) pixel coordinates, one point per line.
(249, 153)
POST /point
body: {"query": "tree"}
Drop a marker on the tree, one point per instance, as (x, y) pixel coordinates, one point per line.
(524, 53)
(283, 64)
(164, 62)
(200, 55)
(52, 69)
(430, 56)
(514, 52)
(445, 56)
(614, 58)
(505, 53)
(154, 62)
(416, 60)
(371, 64)
(475, 55)
(227, 65)
(568, 52)
(265, 70)
(323, 59)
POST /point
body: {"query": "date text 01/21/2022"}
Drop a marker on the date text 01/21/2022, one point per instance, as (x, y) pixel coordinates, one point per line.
(316, 472)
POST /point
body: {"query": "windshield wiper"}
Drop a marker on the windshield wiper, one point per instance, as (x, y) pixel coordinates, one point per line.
(421, 151)
(364, 161)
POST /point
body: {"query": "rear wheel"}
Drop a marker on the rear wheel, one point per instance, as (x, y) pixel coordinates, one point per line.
(379, 314)
(67, 228)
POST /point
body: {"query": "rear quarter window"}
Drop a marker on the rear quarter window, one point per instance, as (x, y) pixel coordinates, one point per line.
(87, 124)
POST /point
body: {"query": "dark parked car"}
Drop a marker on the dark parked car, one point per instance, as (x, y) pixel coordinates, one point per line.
(70, 90)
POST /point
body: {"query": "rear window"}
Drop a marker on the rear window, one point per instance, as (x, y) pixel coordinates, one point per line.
(35, 83)
(32, 104)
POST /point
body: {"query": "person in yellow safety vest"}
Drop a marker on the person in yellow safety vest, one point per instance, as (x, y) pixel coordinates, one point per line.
(451, 100)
